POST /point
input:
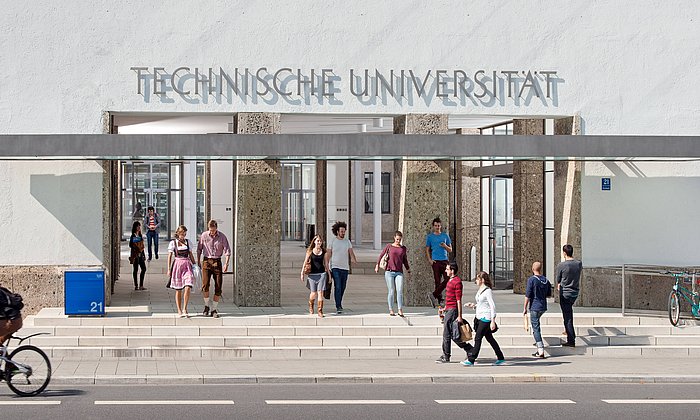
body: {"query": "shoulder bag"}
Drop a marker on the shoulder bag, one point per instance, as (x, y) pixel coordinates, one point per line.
(384, 262)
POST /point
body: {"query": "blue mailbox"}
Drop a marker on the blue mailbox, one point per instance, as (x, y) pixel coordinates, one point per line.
(84, 292)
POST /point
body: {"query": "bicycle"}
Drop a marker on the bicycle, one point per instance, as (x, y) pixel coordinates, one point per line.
(679, 290)
(27, 370)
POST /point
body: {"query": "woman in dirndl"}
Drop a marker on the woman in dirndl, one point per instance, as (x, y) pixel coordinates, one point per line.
(180, 271)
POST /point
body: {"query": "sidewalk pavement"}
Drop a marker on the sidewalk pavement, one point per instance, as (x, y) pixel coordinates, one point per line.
(568, 369)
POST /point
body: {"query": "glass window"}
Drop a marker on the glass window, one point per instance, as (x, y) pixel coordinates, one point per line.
(386, 192)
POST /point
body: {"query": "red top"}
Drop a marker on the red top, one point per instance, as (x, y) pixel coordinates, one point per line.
(453, 292)
(397, 258)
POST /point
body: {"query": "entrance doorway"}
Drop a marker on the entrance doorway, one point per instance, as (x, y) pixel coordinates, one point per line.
(501, 230)
(157, 184)
(298, 201)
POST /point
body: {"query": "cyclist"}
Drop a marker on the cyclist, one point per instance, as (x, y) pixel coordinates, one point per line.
(10, 315)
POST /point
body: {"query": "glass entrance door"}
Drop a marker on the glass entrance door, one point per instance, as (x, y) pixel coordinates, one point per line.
(298, 200)
(150, 184)
(501, 232)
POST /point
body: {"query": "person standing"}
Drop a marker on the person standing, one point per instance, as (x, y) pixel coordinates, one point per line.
(536, 292)
(180, 271)
(340, 255)
(394, 272)
(568, 275)
(137, 257)
(437, 248)
(152, 224)
(453, 311)
(484, 321)
(317, 277)
(214, 245)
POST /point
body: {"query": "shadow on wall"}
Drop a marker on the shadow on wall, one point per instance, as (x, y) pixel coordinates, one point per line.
(75, 200)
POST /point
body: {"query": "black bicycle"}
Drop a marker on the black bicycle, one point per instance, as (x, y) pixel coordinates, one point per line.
(27, 369)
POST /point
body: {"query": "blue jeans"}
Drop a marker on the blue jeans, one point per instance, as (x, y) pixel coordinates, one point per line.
(394, 283)
(567, 312)
(152, 236)
(340, 280)
(536, 332)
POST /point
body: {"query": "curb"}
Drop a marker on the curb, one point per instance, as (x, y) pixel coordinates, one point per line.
(368, 379)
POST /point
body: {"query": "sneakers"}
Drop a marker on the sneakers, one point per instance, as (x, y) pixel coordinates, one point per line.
(499, 362)
(205, 312)
(156, 256)
(338, 311)
(443, 359)
(538, 355)
(433, 302)
(567, 344)
(214, 313)
(467, 363)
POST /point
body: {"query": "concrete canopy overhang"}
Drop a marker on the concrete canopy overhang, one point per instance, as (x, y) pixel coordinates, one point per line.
(363, 146)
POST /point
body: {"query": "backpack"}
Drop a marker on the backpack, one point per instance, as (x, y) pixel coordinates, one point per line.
(13, 304)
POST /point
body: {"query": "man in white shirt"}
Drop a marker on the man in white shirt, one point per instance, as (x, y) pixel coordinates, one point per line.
(340, 255)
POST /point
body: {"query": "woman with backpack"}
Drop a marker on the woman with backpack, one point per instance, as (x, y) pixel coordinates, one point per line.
(484, 320)
(137, 257)
(180, 261)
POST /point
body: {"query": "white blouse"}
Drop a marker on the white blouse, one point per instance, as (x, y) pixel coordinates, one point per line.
(485, 307)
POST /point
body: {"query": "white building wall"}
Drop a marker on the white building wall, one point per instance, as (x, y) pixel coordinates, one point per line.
(63, 66)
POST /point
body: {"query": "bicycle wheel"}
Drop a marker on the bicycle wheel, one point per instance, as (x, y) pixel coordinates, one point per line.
(674, 308)
(29, 371)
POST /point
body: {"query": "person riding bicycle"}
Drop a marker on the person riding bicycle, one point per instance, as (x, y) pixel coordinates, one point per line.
(10, 314)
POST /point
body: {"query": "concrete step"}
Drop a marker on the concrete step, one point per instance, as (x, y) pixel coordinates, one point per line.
(354, 352)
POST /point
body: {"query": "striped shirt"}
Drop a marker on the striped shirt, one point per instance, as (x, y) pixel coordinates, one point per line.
(453, 292)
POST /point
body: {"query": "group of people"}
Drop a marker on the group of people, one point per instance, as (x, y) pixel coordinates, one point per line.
(213, 245)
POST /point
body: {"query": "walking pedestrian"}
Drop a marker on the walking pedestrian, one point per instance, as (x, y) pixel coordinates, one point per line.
(537, 291)
(568, 275)
(314, 272)
(152, 224)
(340, 255)
(484, 321)
(213, 244)
(437, 248)
(137, 257)
(180, 260)
(397, 259)
(453, 311)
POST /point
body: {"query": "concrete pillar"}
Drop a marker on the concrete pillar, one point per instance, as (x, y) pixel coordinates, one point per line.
(468, 212)
(189, 199)
(528, 209)
(377, 198)
(358, 204)
(424, 196)
(258, 215)
(567, 204)
(321, 198)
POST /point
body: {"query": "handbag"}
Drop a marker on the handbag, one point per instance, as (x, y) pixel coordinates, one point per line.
(465, 331)
(307, 264)
(329, 284)
(385, 259)
(197, 273)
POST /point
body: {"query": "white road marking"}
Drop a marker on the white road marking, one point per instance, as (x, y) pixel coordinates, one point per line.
(333, 402)
(166, 402)
(650, 401)
(30, 402)
(505, 402)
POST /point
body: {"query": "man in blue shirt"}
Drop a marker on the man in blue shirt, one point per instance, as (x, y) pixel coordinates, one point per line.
(536, 293)
(437, 247)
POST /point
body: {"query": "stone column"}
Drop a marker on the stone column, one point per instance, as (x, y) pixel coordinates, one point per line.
(468, 212)
(321, 198)
(258, 215)
(528, 209)
(424, 196)
(567, 203)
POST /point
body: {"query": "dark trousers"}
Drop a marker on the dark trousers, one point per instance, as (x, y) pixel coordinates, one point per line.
(441, 278)
(567, 311)
(483, 330)
(139, 262)
(450, 316)
(340, 280)
(152, 236)
(211, 267)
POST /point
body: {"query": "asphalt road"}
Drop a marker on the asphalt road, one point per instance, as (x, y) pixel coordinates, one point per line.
(359, 401)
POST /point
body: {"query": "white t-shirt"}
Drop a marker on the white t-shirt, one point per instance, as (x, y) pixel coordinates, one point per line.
(340, 257)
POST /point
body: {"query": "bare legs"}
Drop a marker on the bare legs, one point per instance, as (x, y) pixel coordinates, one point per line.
(179, 298)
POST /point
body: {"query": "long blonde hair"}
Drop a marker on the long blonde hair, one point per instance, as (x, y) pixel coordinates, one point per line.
(312, 245)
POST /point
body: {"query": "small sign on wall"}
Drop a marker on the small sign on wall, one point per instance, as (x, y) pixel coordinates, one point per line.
(605, 184)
